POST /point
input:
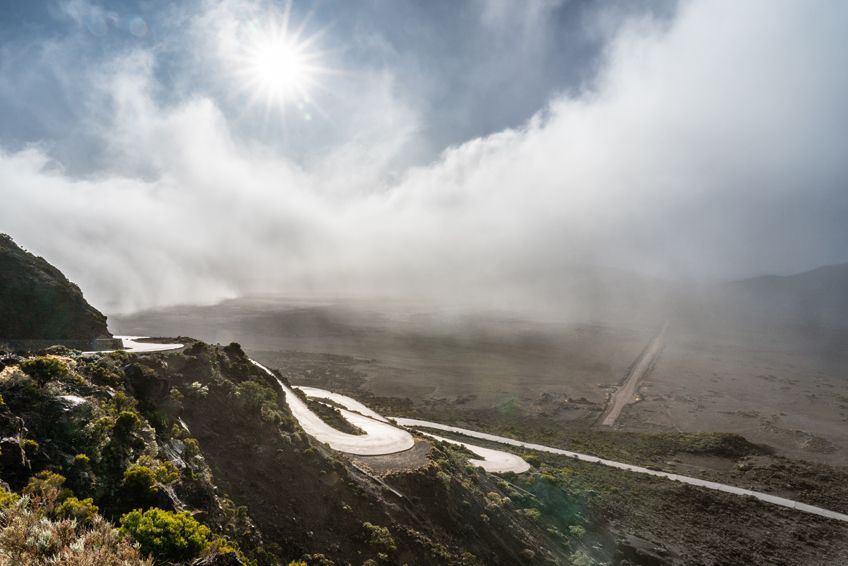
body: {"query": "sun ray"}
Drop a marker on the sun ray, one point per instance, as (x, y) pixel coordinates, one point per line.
(279, 66)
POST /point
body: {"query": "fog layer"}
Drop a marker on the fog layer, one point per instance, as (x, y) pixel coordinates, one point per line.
(712, 145)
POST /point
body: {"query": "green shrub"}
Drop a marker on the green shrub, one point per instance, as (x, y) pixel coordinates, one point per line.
(258, 398)
(45, 483)
(581, 558)
(379, 537)
(532, 513)
(44, 368)
(30, 447)
(577, 531)
(119, 355)
(83, 510)
(234, 349)
(192, 447)
(80, 474)
(28, 536)
(102, 372)
(126, 423)
(122, 402)
(533, 460)
(7, 498)
(165, 535)
(82, 461)
(166, 472)
(140, 481)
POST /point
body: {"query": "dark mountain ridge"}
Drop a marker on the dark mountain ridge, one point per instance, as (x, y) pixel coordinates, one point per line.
(37, 302)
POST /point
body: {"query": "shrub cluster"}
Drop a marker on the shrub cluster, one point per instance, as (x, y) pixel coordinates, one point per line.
(44, 368)
(165, 535)
(379, 537)
(29, 535)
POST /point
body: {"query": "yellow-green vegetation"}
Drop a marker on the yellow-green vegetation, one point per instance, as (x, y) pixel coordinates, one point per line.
(192, 447)
(47, 485)
(82, 461)
(29, 446)
(82, 510)
(126, 422)
(139, 483)
(44, 368)
(260, 398)
(8, 498)
(165, 535)
(29, 535)
(379, 537)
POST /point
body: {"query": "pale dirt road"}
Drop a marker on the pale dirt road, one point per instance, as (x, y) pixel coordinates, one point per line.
(379, 438)
(383, 437)
(768, 498)
(493, 461)
(131, 346)
(625, 394)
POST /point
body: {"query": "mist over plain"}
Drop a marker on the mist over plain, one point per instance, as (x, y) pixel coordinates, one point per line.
(706, 146)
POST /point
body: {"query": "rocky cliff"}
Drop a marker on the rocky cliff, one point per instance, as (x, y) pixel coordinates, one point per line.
(37, 302)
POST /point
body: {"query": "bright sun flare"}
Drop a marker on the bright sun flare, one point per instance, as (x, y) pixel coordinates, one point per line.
(279, 67)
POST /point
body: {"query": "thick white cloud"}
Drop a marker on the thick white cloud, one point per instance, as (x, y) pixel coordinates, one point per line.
(713, 144)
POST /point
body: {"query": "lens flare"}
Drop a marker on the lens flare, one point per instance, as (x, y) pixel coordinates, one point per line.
(279, 66)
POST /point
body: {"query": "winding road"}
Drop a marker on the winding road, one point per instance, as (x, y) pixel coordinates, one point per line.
(782, 501)
(380, 436)
(493, 461)
(383, 437)
(131, 345)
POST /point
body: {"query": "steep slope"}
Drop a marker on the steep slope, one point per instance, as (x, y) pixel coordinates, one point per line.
(37, 302)
(204, 431)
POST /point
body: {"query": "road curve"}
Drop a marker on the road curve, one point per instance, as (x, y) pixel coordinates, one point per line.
(131, 346)
(782, 501)
(348, 403)
(380, 437)
(383, 438)
(493, 461)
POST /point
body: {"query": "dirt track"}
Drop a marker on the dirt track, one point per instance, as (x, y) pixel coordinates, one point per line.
(624, 394)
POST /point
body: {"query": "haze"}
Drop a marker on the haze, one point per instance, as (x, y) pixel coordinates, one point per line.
(453, 156)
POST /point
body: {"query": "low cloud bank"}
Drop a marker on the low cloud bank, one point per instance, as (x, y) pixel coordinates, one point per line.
(710, 146)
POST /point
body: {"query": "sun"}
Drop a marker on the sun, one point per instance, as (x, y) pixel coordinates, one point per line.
(279, 66)
(279, 69)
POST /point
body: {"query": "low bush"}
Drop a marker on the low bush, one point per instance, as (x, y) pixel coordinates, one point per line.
(258, 398)
(140, 482)
(47, 485)
(7, 498)
(379, 537)
(126, 423)
(82, 510)
(28, 536)
(43, 369)
(166, 536)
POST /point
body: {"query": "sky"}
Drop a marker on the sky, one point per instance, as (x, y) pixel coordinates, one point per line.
(158, 155)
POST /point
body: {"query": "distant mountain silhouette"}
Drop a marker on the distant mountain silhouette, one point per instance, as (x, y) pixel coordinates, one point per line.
(817, 297)
(37, 302)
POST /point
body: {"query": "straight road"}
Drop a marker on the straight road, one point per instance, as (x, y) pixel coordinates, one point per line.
(625, 394)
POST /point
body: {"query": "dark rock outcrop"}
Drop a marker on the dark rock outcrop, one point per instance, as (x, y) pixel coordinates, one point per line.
(37, 302)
